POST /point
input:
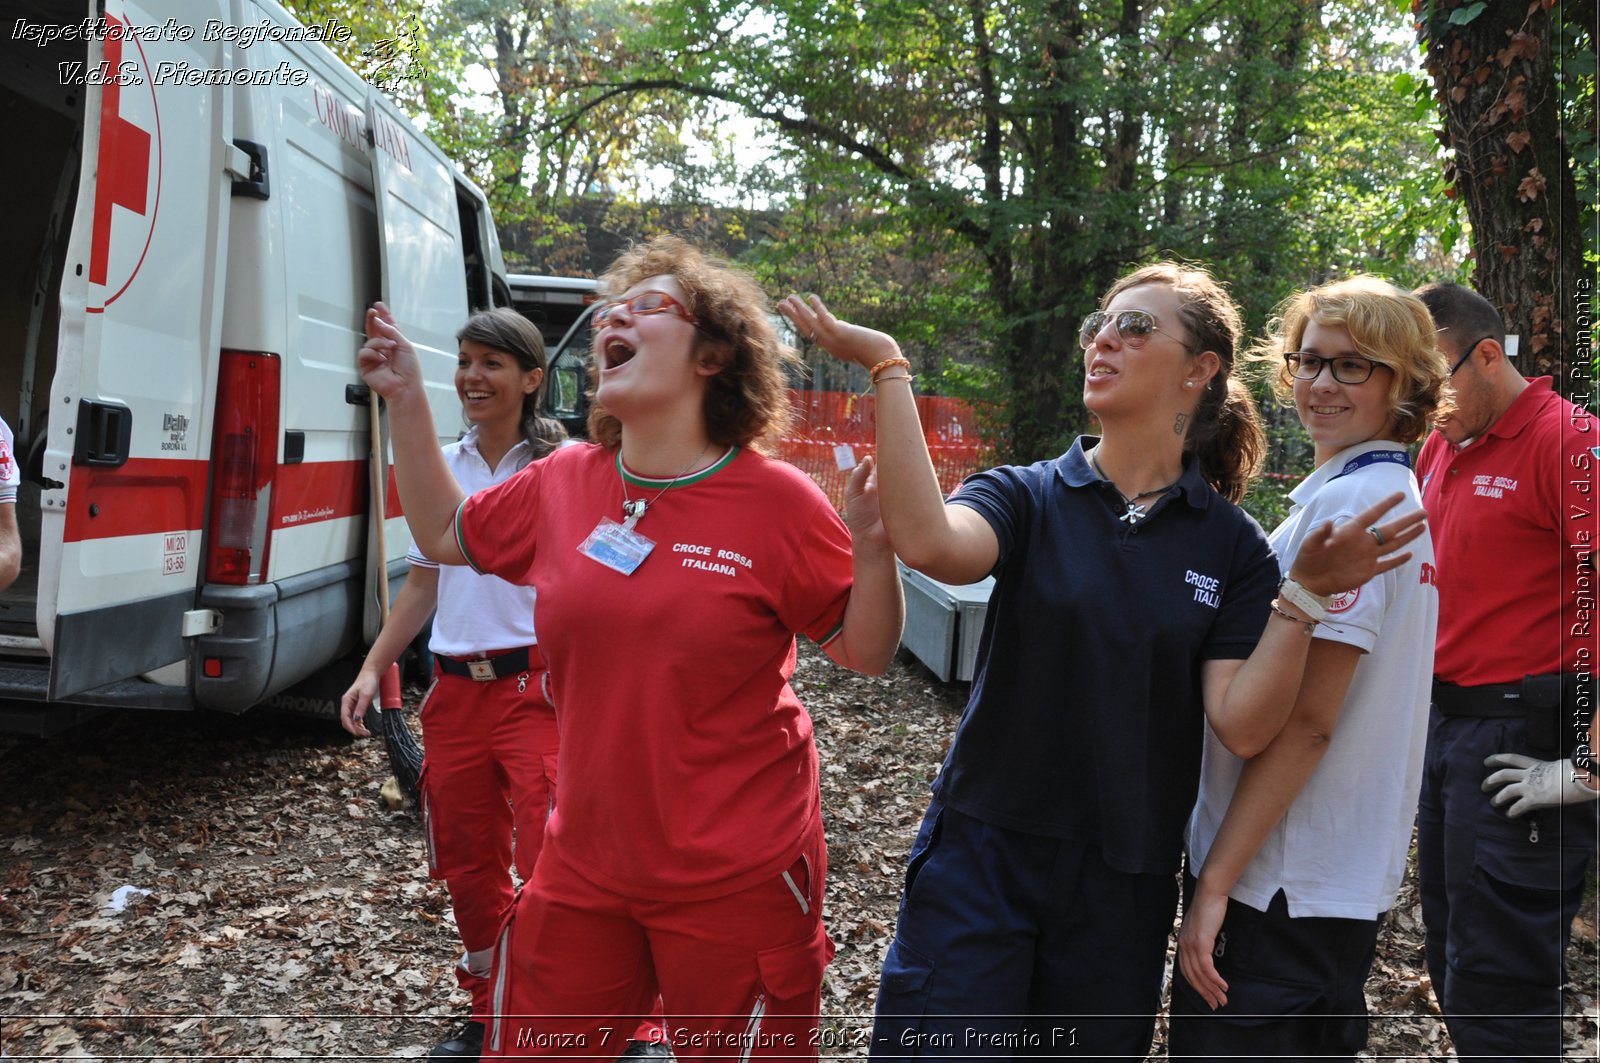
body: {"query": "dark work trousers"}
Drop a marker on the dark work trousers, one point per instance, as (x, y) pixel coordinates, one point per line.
(1296, 988)
(1498, 895)
(1011, 943)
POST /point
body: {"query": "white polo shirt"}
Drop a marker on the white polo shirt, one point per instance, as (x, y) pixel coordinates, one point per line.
(1340, 850)
(478, 613)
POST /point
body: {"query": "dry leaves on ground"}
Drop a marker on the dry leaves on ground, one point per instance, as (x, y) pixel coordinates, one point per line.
(288, 914)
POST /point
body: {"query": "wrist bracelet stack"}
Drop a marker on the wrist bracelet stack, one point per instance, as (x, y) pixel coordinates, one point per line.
(872, 375)
(890, 363)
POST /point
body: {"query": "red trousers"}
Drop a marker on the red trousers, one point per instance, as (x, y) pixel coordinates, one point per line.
(738, 977)
(488, 776)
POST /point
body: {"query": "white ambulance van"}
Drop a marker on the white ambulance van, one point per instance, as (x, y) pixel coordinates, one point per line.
(202, 200)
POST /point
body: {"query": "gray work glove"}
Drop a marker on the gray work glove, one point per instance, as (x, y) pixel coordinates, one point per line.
(1527, 784)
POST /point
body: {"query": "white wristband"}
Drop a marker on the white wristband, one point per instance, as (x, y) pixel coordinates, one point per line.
(1313, 605)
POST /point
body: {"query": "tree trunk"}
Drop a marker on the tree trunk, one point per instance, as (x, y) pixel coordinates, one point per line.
(1495, 79)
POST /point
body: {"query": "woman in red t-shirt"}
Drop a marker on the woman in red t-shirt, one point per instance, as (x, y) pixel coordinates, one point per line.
(675, 563)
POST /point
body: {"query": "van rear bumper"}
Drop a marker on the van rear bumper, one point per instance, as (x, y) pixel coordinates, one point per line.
(275, 635)
(272, 637)
(25, 710)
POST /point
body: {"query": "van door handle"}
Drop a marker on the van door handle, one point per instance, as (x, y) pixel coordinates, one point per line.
(104, 432)
(255, 181)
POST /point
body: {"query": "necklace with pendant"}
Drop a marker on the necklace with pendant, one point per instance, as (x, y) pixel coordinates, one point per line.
(1136, 509)
(635, 508)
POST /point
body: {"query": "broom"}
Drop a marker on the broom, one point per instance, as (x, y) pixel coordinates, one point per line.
(405, 754)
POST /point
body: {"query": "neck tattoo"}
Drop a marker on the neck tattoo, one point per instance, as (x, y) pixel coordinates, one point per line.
(1136, 509)
(635, 508)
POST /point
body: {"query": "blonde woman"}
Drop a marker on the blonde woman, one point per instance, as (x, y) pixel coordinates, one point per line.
(1295, 854)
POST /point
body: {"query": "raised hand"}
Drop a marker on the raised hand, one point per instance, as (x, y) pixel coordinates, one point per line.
(861, 513)
(387, 361)
(1337, 559)
(846, 342)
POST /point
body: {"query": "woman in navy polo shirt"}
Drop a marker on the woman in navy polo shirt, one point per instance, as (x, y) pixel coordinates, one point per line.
(1129, 605)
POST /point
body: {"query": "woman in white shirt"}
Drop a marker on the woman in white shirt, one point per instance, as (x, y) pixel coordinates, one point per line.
(1295, 854)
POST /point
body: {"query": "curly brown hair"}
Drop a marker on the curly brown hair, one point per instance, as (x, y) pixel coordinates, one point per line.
(747, 404)
(1390, 326)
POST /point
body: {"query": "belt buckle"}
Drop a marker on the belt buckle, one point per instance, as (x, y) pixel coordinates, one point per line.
(481, 671)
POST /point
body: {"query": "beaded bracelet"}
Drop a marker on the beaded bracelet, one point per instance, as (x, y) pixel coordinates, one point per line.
(1310, 625)
(885, 364)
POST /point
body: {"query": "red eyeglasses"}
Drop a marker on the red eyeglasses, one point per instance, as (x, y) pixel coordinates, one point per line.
(648, 302)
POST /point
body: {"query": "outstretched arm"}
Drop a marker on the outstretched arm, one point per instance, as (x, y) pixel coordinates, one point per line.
(428, 493)
(953, 544)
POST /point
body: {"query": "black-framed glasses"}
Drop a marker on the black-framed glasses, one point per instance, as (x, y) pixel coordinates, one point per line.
(1468, 354)
(1347, 368)
(643, 304)
(1133, 327)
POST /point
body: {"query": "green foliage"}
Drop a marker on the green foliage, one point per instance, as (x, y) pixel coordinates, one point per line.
(969, 176)
(972, 176)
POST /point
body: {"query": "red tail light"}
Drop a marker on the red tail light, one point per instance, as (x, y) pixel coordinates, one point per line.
(244, 464)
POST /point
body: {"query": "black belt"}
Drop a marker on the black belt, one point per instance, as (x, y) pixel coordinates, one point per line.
(1489, 700)
(1556, 707)
(485, 669)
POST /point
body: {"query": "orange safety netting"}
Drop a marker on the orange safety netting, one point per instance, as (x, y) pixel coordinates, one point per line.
(826, 419)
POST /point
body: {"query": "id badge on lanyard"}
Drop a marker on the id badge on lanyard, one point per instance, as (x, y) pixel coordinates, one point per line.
(617, 546)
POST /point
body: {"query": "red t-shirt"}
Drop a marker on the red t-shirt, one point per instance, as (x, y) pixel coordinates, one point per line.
(688, 768)
(1513, 520)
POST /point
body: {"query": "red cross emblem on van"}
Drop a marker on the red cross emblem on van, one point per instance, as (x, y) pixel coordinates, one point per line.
(129, 171)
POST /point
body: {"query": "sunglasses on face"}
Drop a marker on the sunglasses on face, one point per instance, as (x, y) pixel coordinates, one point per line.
(642, 305)
(1133, 327)
(1347, 368)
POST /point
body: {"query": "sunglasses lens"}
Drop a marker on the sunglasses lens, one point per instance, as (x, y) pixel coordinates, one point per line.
(1135, 326)
(1090, 328)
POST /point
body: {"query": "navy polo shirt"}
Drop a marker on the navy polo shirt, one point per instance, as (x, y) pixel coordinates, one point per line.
(1086, 716)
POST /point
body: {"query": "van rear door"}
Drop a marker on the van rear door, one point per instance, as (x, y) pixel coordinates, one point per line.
(136, 367)
(424, 280)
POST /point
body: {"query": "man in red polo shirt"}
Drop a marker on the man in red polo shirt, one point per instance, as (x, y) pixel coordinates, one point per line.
(1507, 822)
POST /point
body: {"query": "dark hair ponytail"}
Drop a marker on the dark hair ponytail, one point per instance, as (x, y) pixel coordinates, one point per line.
(1227, 438)
(506, 330)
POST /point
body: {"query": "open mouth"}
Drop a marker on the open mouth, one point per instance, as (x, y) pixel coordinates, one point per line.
(1101, 370)
(616, 352)
(478, 396)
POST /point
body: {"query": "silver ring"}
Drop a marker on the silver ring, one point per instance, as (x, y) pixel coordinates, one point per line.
(1376, 534)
